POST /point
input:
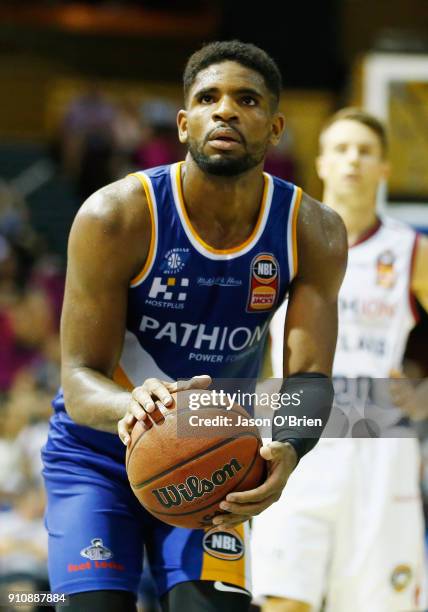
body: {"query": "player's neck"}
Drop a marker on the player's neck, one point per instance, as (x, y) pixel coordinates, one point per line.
(358, 216)
(222, 207)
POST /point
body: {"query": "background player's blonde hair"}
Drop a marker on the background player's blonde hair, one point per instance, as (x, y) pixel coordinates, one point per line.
(354, 113)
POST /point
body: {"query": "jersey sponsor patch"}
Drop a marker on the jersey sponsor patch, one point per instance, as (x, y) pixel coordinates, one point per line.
(171, 290)
(264, 283)
(226, 545)
(96, 551)
(220, 281)
(401, 577)
(385, 271)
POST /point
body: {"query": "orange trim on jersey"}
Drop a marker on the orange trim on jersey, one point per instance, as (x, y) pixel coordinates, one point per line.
(412, 296)
(194, 232)
(143, 181)
(294, 228)
(226, 569)
(121, 378)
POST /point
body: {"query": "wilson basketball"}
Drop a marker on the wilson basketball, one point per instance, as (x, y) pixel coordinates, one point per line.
(181, 479)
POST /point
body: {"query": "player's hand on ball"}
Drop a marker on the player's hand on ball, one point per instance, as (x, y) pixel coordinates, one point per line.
(146, 400)
(282, 460)
(407, 396)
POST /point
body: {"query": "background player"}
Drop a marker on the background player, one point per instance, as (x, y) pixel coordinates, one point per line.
(136, 316)
(350, 526)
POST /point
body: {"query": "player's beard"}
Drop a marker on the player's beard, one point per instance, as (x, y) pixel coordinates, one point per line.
(222, 165)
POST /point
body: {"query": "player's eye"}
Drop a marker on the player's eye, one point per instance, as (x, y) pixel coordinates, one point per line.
(206, 99)
(340, 148)
(249, 101)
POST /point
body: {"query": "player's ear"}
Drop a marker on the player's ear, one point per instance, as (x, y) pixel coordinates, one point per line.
(182, 126)
(386, 170)
(278, 126)
(320, 167)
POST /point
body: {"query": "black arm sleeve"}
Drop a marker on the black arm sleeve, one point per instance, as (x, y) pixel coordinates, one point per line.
(302, 422)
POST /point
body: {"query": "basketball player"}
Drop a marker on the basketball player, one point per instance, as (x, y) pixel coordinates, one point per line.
(174, 272)
(349, 525)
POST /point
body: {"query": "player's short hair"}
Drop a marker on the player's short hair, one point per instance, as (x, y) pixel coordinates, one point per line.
(246, 54)
(359, 115)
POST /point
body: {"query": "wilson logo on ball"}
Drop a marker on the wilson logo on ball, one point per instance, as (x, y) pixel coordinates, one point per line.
(225, 545)
(194, 487)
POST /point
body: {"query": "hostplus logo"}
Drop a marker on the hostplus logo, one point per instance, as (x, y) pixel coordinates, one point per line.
(167, 293)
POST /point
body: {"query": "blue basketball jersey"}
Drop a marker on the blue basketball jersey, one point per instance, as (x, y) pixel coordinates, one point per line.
(194, 309)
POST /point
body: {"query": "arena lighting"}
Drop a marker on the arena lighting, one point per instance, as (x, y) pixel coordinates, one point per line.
(83, 18)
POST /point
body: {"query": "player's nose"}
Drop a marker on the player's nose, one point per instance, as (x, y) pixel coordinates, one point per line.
(225, 110)
(353, 154)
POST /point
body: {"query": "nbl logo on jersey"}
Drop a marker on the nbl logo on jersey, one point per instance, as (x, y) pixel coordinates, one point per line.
(264, 283)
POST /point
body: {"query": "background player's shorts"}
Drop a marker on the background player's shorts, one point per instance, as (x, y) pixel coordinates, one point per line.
(97, 529)
(348, 527)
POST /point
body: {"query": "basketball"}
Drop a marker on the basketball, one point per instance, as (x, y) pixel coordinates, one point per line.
(181, 479)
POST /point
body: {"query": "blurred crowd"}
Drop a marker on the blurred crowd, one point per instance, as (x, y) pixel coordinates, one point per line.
(100, 141)
(31, 290)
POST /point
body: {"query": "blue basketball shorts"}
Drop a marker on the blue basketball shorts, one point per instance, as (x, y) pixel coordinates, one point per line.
(98, 530)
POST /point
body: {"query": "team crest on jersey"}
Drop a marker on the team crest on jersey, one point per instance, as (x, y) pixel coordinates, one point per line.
(264, 283)
(401, 577)
(96, 551)
(385, 271)
(226, 545)
(174, 260)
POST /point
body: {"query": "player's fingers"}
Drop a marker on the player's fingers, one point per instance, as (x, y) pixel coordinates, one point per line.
(158, 413)
(140, 403)
(273, 450)
(399, 395)
(158, 390)
(196, 382)
(272, 486)
(401, 392)
(124, 427)
(230, 520)
(249, 509)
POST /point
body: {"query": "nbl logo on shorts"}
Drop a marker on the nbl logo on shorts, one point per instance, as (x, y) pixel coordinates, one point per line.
(226, 545)
(264, 283)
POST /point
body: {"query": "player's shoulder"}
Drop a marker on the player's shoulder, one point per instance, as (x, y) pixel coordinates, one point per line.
(116, 208)
(321, 226)
(395, 226)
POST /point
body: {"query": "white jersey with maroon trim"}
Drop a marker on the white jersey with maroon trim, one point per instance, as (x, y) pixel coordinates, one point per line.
(376, 312)
(349, 525)
(376, 309)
